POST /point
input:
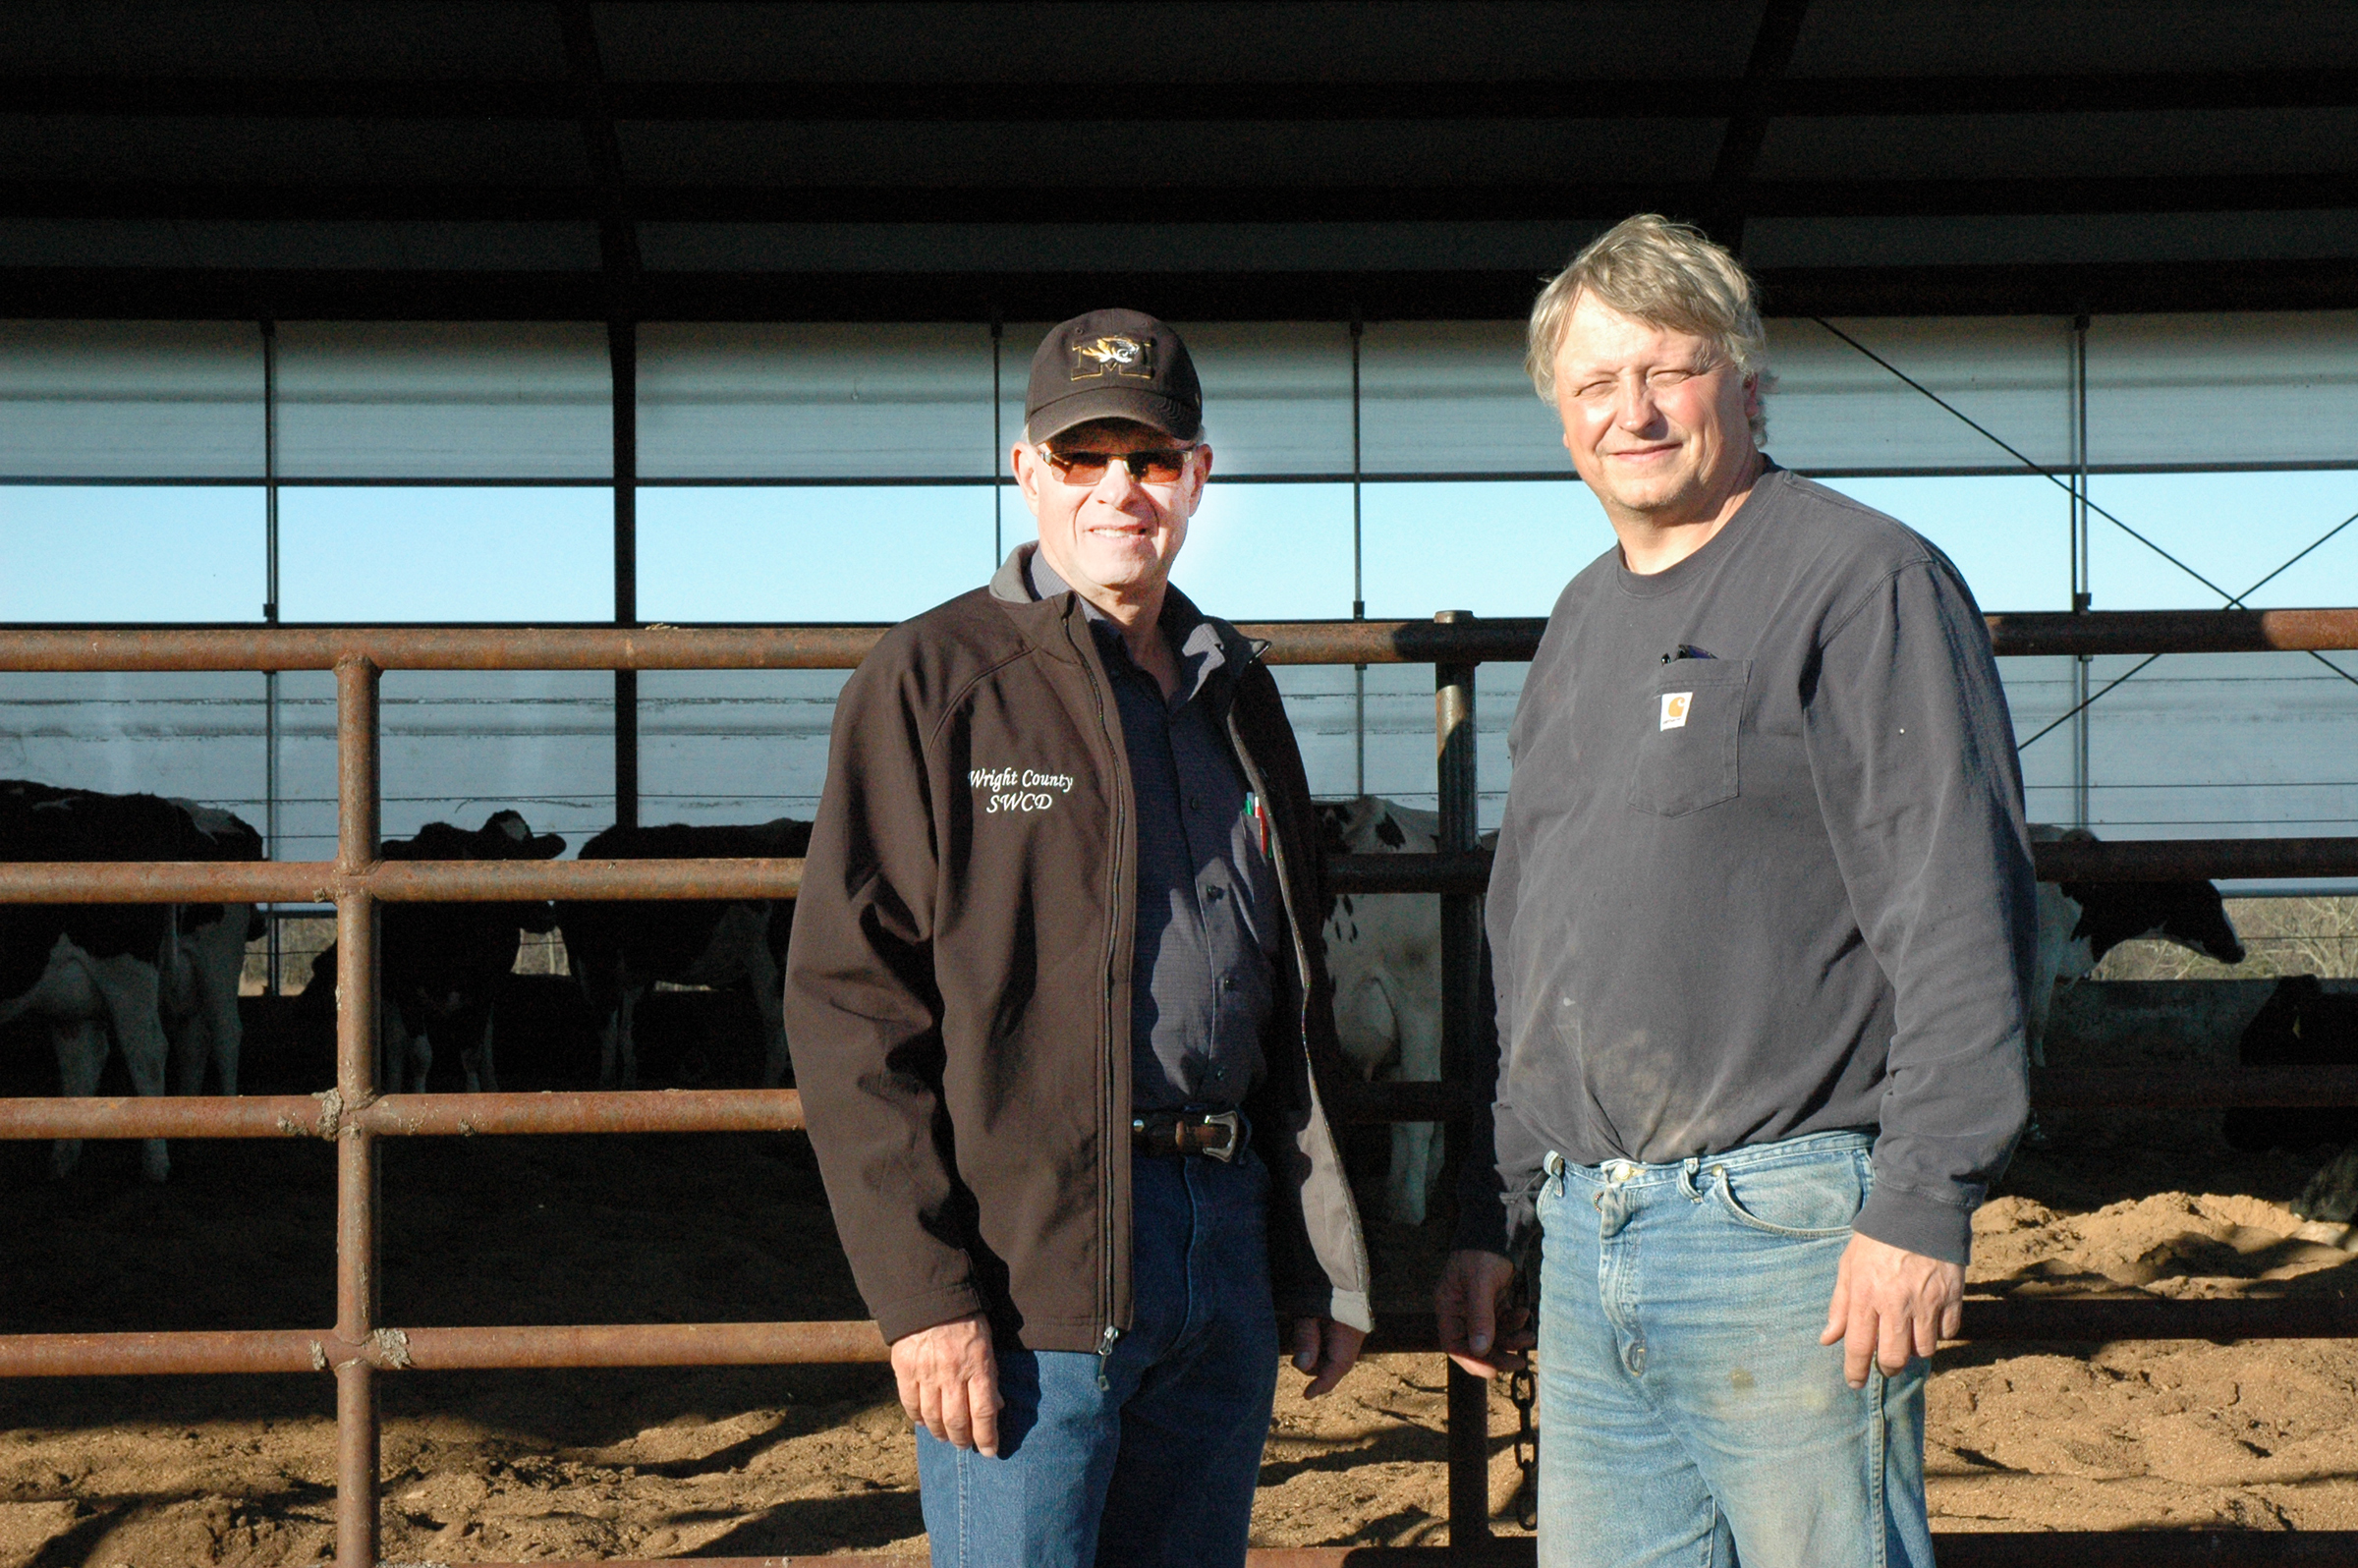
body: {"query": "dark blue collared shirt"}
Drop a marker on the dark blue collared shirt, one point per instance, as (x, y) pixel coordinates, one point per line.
(1202, 982)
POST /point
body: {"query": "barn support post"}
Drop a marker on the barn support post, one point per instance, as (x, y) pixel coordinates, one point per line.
(359, 792)
(1461, 1004)
(621, 340)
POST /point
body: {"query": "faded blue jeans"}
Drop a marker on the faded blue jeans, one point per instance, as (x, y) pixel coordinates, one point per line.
(1158, 1464)
(1689, 1417)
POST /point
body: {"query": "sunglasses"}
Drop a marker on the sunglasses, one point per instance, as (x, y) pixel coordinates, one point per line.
(1155, 465)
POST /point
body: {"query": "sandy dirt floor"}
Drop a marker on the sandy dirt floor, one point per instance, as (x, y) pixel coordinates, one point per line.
(794, 1461)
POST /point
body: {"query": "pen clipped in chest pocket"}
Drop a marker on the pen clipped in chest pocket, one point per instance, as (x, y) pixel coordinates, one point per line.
(1687, 752)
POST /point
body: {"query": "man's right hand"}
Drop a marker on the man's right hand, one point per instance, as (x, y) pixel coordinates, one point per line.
(1467, 1302)
(950, 1382)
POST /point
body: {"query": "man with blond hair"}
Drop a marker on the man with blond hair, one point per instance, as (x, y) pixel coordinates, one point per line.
(1763, 922)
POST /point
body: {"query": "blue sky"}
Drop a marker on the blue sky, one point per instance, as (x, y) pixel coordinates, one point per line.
(1257, 551)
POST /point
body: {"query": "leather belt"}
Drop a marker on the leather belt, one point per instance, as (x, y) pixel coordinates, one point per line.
(1216, 1134)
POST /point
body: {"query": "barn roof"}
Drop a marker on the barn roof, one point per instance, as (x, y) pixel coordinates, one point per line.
(449, 159)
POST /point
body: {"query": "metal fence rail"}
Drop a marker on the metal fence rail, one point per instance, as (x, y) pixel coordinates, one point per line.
(358, 1347)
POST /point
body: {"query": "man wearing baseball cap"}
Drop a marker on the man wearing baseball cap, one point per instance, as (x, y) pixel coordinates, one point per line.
(1060, 1013)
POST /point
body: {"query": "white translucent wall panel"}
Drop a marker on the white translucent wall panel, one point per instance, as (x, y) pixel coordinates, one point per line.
(1498, 547)
(1386, 737)
(2234, 529)
(130, 552)
(2211, 745)
(197, 736)
(2198, 746)
(1268, 552)
(1018, 341)
(446, 553)
(439, 400)
(130, 398)
(1832, 409)
(2224, 390)
(2008, 535)
(460, 744)
(1450, 397)
(1276, 395)
(814, 552)
(816, 400)
(733, 746)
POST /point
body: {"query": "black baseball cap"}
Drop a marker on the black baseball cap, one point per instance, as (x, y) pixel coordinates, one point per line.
(1113, 365)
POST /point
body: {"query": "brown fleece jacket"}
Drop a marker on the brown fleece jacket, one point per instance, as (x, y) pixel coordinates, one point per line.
(958, 992)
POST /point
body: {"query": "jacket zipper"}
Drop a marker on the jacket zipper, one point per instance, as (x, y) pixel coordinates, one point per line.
(1106, 1240)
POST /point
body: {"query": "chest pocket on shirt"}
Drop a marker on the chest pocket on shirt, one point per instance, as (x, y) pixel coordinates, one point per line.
(1687, 751)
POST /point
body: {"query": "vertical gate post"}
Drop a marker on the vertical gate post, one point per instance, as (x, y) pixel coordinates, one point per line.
(357, 827)
(1461, 1009)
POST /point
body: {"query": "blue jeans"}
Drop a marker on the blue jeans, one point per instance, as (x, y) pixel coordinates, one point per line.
(1158, 1464)
(1689, 1415)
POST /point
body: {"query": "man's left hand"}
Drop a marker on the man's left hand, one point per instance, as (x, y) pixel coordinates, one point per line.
(1890, 1306)
(1325, 1350)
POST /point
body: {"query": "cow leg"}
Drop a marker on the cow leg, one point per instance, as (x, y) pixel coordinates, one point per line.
(625, 1046)
(1416, 1146)
(609, 1026)
(191, 1047)
(128, 987)
(408, 1057)
(392, 1048)
(81, 1047)
(220, 996)
(769, 1000)
(482, 1078)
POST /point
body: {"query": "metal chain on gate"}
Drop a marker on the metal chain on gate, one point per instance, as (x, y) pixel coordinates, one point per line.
(1523, 1386)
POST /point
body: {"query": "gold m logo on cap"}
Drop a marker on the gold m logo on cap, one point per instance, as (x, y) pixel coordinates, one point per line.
(1126, 358)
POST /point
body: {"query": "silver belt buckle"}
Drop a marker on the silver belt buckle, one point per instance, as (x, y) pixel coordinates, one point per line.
(1228, 1119)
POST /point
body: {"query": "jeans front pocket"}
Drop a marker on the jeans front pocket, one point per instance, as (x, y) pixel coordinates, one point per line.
(1804, 1198)
(1686, 759)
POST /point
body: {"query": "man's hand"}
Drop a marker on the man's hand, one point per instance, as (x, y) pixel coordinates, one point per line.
(1467, 1302)
(950, 1382)
(1325, 1350)
(1889, 1306)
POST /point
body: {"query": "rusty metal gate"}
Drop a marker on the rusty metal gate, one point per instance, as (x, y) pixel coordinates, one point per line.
(358, 1347)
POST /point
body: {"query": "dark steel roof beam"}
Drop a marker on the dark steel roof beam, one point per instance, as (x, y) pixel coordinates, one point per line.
(894, 203)
(1468, 294)
(1747, 126)
(1672, 97)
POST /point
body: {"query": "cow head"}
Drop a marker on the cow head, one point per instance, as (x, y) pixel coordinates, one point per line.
(2188, 914)
(1373, 826)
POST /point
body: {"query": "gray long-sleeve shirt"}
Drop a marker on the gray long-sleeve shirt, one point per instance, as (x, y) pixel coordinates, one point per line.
(1763, 871)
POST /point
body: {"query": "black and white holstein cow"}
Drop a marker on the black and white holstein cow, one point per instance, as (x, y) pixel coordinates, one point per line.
(444, 967)
(2079, 923)
(1383, 952)
(2304, 1025)
(95, 972)
(206, 960)
(617, 950)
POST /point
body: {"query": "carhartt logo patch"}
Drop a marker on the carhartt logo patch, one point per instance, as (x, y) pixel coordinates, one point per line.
(1674, 709)
(1129, 359)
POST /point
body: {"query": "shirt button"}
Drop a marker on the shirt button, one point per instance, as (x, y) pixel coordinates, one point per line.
(1195, 803)
(1227, 983)
(1212, 893)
